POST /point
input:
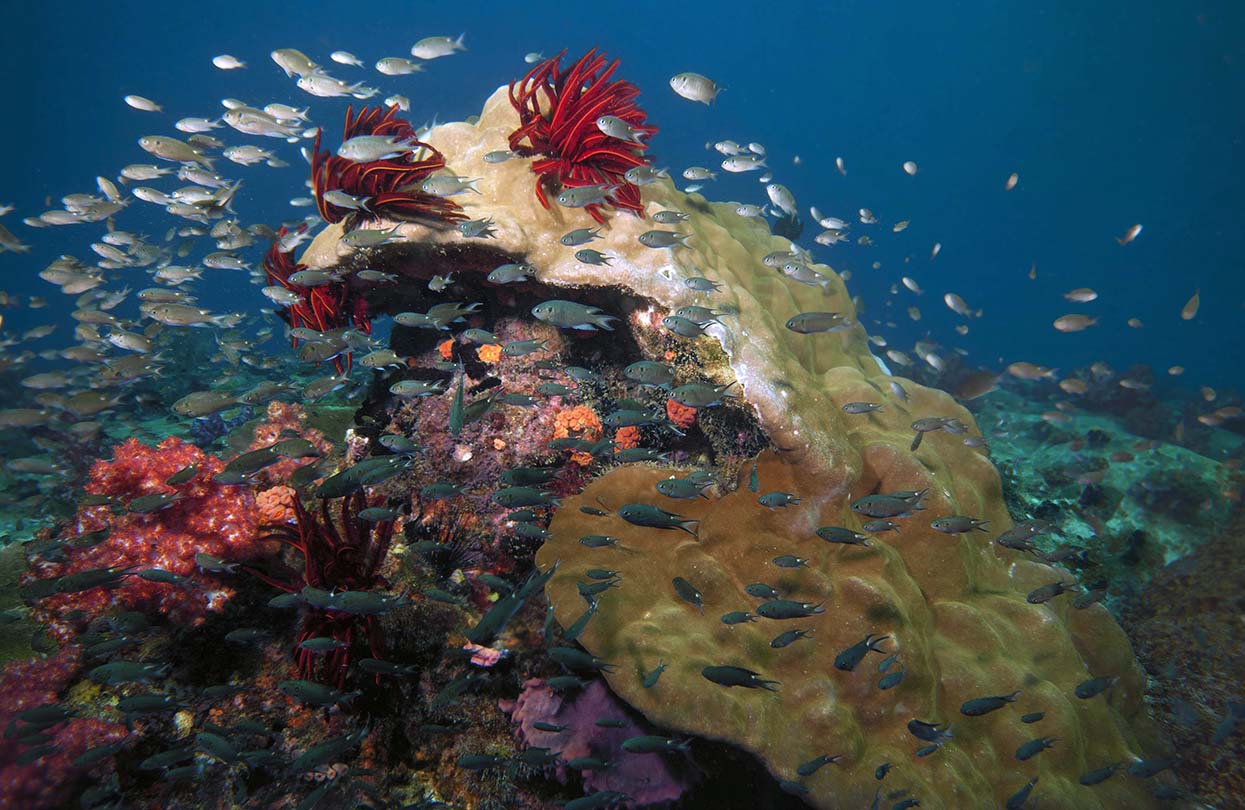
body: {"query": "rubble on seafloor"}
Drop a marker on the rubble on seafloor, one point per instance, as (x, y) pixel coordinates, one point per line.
(1126, 504)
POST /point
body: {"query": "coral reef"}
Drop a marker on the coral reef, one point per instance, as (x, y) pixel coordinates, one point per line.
(955, 604)
(770, 361)
(171, 527)
(736, 636)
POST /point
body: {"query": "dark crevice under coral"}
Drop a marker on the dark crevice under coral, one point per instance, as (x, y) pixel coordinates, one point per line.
(731, 431)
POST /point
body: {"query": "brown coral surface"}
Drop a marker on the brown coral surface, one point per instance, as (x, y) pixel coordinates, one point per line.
(954, 608)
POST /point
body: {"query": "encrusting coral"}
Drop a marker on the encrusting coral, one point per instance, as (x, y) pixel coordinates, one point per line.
(646, 781)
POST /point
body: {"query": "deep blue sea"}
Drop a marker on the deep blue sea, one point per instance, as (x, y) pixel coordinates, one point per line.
(1111, 113)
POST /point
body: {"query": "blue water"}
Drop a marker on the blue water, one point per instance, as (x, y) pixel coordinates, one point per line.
(1112, 113)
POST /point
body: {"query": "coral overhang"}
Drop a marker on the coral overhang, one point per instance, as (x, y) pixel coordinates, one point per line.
(558, 112)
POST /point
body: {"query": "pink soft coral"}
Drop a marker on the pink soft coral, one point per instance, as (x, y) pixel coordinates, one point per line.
(207, 518)
(286, 420)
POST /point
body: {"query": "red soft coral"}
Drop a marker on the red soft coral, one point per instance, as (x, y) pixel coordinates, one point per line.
(207, 517)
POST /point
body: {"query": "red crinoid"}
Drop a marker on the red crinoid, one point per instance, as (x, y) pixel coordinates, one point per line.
(393, 186)
(323, 308)
(340, 556)
(558, 112)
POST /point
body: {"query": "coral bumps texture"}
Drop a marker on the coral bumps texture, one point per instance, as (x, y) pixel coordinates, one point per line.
(953, 605)
(954, 609)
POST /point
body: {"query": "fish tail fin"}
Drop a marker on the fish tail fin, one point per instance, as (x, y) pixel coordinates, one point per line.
(458, 43)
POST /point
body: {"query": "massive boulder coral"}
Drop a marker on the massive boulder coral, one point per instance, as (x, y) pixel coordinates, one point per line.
(772, 363)
(953, 606)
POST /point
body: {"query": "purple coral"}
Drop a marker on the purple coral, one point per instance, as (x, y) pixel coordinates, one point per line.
(648, 780)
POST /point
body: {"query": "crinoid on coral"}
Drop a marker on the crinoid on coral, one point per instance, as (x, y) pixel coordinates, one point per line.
(558, 113)
(324, 307)
(339, 557)
(389, 187)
